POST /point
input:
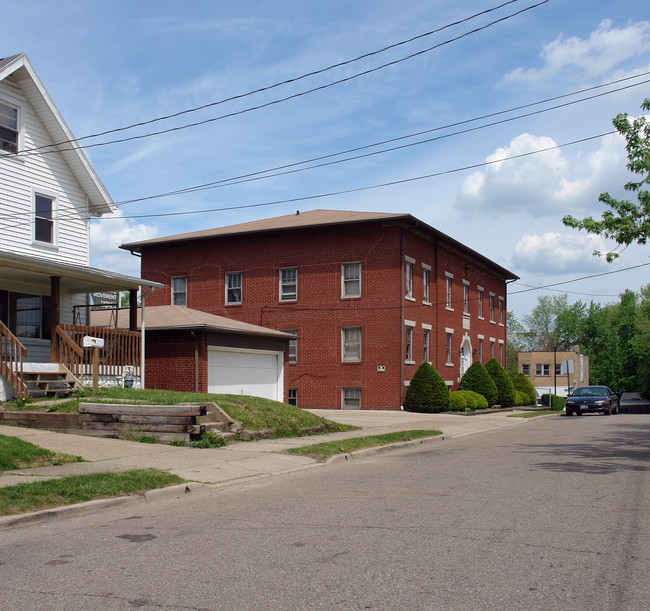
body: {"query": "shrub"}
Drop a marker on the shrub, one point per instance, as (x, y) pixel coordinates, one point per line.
(523, 384)
(481, 401)
(505, 389)
(427, 391)
(469, 396)
(457, 402)
(521, 398)
(477, 378)
(557, 403)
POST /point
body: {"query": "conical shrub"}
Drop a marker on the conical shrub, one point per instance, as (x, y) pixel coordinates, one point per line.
(505, 389)
(427, 391)
(523, 384)
(477, 378)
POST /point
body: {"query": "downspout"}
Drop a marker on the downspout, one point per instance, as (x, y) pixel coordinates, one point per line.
(402, 334)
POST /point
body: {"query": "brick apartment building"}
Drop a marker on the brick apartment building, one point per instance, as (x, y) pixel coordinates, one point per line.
(368, 295)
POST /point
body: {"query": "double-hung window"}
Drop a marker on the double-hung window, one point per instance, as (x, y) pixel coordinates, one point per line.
(44, 210)
(293, 397)
(351, 280)
(289, 284)
(8, 129)
(465, 297)
(426, 273)
(525, 369)
(293, 346)
(491, 307)
(480, 302)
(234, 287)
(351, 398)
(449, 335)
(408, 277)
(179, 291)
(449, 277)
(426, 345)
(501, 308)
(351, 344)
(542, 370)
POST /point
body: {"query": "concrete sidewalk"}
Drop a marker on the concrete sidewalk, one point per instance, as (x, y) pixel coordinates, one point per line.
(236, 462)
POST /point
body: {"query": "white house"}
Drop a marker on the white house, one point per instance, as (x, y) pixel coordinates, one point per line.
(48, 194)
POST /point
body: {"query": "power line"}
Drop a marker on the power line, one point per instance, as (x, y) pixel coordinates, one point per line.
(279, 100)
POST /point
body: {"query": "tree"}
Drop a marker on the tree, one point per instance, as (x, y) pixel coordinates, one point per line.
(553, 323)
(477, 378)
(427, 391)
(626, 222)
(505, 389)
(524, 385)
(515, 342)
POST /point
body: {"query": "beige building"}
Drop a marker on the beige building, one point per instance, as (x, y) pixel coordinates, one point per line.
(555, 372)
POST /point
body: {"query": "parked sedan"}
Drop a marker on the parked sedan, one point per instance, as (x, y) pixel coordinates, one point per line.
(592, 399)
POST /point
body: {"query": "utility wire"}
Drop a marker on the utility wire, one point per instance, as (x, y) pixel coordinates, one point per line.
(276, 101)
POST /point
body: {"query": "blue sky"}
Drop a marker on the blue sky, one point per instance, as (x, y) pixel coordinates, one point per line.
(110, 65)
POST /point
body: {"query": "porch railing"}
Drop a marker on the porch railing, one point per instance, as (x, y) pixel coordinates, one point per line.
(12, 355)
(68, 353)
(121, 349)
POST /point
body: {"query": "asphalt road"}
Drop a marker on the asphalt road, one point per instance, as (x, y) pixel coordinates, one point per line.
(549, 515)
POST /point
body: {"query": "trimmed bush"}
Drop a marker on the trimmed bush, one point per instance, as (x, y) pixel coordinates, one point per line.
(477, 378)
(457, 402)
(505, 389)
(470, 398)
(521, 398)
(481, 401)
(557, 403)
(523, 384)
(427, 391)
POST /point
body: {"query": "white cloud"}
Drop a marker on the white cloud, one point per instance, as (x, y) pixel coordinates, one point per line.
(556, 253)
(105, 237)
(544, 184)
(605, 48)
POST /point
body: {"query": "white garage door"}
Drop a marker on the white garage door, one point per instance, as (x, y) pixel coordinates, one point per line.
(246, 372)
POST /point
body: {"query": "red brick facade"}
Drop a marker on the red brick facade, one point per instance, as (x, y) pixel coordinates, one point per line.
(384, 312)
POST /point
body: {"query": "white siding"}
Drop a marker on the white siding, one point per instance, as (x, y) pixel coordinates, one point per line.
(48, 174)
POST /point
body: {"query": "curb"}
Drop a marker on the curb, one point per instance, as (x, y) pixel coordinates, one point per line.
(381, 449)
(79, 509)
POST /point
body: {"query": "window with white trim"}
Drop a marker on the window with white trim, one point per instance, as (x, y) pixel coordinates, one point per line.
(425, 355)
(351, 344)
(409, 345)
(480, 349)
(293, 397)
(465, 297)
(292, 355)
(542, 370)
(501, 352)
(501, 308)
(426, 275)
(233, 287)
(351, 398)
(351, 280)
(8, 128)
(491, 348)
(480, 302)
(408, 277)
(448, 357)
(449, 278)
(289, 284)
(44, 222)
(491, 307)
(525, 369)
(179, 290)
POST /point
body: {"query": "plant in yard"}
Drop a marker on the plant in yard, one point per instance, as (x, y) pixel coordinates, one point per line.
(458, 402)
(523, 384)
(477, 378)
(209, 439)
(427, 391)
(505, 389)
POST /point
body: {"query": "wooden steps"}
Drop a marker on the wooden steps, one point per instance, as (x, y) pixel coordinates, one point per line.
(49, 380)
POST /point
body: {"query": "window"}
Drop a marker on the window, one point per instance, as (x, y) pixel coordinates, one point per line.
(480, 349)
(8, 129)
(542, 370)
(351, 280)
(449, 362)
(465, 297)
(426, 273)
(449, 279)
(480, 302)
(26, 315)
(409, 345)
(525, 369)
(351, 398)
(425, 355)
(289, 284)
(293, 397)
(233, 287)
(558, 369)
(501, 311)
(491, 307)
(179, 291)
(351, 344)
(500, 352)
(293, 346)
(43, 219)
(491, 348)
(408, 279)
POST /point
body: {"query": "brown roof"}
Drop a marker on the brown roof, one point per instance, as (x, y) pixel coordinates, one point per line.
(178, 317)
(312, 218)
(319, 218)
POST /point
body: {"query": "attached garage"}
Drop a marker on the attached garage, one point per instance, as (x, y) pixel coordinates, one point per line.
(192, 351)
(246, 372)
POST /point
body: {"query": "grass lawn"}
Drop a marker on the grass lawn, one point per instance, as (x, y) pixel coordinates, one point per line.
(539, 412)
(79, 488)
(18, 454)
(321, 451)
(255, 413)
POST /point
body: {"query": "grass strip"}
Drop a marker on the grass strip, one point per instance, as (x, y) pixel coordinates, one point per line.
(18, 454)
(321, 451)
(79, 488)
(541, 412)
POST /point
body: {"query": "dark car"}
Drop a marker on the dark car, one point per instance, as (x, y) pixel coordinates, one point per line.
(592, 399)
